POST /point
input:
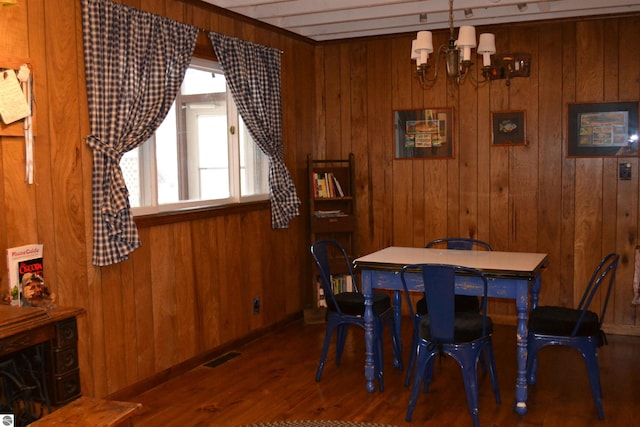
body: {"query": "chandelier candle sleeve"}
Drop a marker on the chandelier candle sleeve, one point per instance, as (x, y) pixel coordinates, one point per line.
(414, 52)
(486, 48)
(466, 41)
(423, 46)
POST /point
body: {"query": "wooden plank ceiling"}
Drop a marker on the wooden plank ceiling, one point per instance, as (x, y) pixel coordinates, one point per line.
(341, 19)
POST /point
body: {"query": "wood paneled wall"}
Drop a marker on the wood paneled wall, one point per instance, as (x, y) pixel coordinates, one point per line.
(188, 289)
(518, 198)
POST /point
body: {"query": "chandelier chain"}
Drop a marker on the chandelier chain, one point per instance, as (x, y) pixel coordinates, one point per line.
(451, 19)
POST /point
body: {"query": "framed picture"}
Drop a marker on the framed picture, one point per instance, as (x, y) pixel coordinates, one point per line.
(423, 134)
(508, 128)
(603, 129)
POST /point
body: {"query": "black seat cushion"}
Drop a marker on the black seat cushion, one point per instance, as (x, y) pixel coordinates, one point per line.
(464, 303)
(467, 327)
(353, 303)
(552, 320)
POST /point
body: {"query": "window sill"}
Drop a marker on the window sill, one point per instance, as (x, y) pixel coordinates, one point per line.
(193, 214)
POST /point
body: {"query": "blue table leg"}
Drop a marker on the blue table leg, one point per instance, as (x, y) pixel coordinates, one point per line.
(535, 291)
(369, 373)
(397, 317)
(522, 302)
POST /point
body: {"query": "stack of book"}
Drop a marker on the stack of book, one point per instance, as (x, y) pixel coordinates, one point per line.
(329, 214)
(325, 184)
(339, 283)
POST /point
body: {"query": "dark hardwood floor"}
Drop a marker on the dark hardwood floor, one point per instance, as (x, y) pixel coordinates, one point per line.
(272, 378)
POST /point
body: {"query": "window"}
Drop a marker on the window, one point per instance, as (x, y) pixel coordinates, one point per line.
(201, 155)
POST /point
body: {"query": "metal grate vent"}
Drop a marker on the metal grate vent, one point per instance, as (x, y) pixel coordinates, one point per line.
(222, 359)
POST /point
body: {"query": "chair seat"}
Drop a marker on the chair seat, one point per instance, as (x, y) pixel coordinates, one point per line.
(352, 303)
(464, 303)
(467, 327)
(552, 320)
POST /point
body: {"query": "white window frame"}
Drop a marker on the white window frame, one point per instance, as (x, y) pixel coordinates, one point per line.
(148, 169)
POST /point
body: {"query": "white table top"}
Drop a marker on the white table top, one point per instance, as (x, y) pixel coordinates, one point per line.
(394, 257)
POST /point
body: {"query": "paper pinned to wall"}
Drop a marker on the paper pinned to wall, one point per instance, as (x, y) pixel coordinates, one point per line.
(24, 75)
(13, 104)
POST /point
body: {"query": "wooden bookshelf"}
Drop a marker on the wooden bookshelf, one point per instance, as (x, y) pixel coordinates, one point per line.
(332, 206)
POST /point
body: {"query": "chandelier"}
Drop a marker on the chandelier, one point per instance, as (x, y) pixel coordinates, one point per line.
(457, 54)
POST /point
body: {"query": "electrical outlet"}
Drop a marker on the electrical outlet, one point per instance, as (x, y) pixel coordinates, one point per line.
(624, 173)
(256, 305)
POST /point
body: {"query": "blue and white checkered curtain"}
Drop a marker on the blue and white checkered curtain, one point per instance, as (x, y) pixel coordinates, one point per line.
(253, 73)
(135, 62)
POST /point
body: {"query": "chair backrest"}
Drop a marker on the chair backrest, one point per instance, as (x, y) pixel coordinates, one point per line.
(439, 292)
(605, 272)
(328, 253)
(461, 243)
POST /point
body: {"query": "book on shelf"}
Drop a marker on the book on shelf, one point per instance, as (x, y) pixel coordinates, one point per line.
(338, 187)
(320, 184)
(331, 188)
(322, 302)
(314, 182)
(24, 263)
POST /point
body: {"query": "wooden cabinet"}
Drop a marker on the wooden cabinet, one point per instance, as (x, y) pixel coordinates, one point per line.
(332, 206)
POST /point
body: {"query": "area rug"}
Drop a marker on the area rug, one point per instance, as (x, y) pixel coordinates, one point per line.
(317, 423)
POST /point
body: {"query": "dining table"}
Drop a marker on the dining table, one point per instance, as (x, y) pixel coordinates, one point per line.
(511, 275)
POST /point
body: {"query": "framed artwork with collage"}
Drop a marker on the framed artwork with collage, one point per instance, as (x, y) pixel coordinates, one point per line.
(423, 134)
(608, 129)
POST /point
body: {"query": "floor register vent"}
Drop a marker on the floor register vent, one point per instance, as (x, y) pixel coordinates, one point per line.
(222, 359)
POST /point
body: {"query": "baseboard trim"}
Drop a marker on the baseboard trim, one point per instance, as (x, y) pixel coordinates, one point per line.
(629, 330)
(155, 380)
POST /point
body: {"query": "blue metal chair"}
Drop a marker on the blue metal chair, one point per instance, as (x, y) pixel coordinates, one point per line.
(347, 308)
(580, 328)
(461, 243)
(463, 302)
(443, 330)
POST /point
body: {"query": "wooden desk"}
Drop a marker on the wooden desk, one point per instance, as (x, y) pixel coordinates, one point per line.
(512, 275)
(54, 334)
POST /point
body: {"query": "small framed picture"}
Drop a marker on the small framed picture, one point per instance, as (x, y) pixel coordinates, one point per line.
(508, 128)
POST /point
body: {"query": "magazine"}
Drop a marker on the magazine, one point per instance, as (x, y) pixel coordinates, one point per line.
(24, 263)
